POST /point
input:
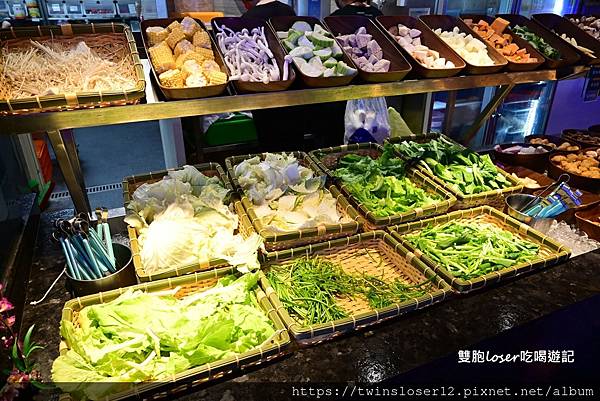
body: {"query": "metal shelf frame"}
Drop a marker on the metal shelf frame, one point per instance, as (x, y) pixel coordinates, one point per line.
(155, 109)
(158, 110)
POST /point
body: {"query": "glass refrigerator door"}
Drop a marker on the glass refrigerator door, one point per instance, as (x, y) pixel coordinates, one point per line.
(454, 112)
(524, 112)
(530, 7)
(489, 7)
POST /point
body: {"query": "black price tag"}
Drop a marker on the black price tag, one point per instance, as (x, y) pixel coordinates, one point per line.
(592, 85)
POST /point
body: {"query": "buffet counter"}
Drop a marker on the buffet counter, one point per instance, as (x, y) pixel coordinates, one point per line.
(366, 356)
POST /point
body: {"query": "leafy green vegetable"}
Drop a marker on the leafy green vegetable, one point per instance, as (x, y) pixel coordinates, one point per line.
(380, 185)
(144, 336)
(462, 169)
(309, 288)
(472, 248)
(536, 41)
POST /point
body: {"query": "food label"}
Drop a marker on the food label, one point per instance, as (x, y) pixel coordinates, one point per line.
(417, 12)
(591, 89)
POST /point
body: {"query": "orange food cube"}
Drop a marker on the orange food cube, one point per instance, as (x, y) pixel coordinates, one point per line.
(499, 25)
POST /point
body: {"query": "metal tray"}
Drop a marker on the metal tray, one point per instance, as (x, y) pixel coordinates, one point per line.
(185, 93)
(522, 43)
(447, 23)
(568, 56)
(284, 23)
(348, 24)
(579, 16)
(237, 24)
(429, 39)
(576, 180)
(562, 25)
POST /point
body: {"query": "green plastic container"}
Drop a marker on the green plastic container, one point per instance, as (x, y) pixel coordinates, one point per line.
(238, 129)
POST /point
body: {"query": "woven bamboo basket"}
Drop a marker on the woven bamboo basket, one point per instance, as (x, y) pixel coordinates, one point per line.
(92, 34)
(493, 198)
(551, 252)
(277, 241)
(130, 184)
(192, 378)
(375, 253)
(327, 160)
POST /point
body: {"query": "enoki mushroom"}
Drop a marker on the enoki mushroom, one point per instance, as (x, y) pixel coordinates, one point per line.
(52, 66)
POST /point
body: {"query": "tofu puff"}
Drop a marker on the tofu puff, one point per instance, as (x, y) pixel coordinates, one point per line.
(189, 26)
(183, 47)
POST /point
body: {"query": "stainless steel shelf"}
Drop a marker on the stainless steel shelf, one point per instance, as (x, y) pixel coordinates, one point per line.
(157, 110)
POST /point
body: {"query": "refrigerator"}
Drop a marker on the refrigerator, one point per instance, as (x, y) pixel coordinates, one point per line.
(523, 112)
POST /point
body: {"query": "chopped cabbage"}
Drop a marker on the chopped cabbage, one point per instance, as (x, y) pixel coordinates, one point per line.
(286, 195)
(183, 220)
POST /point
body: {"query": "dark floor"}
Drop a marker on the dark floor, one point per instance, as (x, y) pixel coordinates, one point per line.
(108, 154)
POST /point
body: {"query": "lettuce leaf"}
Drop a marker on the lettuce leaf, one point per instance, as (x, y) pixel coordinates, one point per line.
(142, 336)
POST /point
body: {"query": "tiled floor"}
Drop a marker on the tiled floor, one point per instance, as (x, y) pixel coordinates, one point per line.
(108, 154)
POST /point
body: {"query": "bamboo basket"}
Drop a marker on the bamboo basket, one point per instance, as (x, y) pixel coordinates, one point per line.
(396, 263)
(327, 160)
(192, 378)
(277, 241)
(551, 252)
(91, 34)
(493, 198)
(130, 184)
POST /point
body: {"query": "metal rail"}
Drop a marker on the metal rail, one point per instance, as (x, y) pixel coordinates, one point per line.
(157, 110)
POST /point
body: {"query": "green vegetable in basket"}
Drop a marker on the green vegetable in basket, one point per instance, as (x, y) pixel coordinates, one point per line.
(310, 287)
(461, 169)
(537, 41)
(380, 184)
(471, 248)
(143, 336)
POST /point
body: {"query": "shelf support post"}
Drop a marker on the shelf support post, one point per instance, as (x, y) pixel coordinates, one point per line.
(485, 114)
(63, 143)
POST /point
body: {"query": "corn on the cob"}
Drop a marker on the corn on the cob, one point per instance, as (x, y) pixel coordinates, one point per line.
(156, 34)
(201, 39)
(189, 56)
(183, 47)
(161, 57)
(171, 79)
(173, 25)
(175, 37)
(216, 77)
(206, 53)
(189, 26)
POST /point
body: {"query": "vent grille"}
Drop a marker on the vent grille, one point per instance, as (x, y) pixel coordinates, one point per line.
(90, 190)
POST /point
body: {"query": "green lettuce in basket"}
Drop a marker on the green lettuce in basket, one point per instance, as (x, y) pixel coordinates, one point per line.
(143, 336)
